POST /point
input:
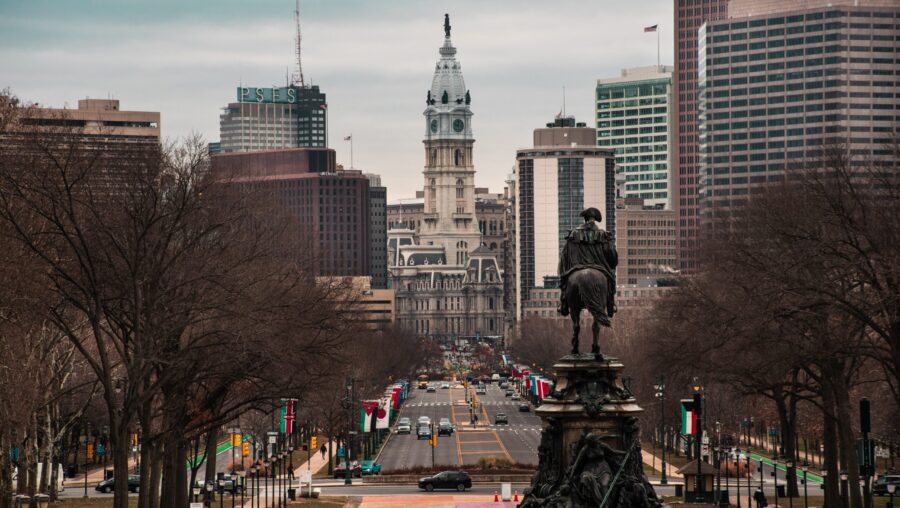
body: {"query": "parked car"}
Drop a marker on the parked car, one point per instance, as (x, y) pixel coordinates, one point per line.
(423, 431)
(340, 470)
(879, 488)
(404, 426)
(524, 408)
(458, 480)
(134, 484)
(500, 418)
(370, 467)
(445, 427)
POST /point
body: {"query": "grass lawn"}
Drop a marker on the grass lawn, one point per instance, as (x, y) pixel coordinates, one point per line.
(91, 502)
(671, 459)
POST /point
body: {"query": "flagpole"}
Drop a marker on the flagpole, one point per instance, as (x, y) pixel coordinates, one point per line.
(657, 48)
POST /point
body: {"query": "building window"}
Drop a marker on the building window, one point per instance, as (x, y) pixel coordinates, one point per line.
(460, 188)
(457, 157)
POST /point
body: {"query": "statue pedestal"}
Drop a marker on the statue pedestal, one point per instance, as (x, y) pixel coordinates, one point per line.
(590, 443)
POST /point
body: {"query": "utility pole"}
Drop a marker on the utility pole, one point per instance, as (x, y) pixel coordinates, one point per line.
(348, 477)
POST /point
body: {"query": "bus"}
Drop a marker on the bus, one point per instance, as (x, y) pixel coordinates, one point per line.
(423, 381)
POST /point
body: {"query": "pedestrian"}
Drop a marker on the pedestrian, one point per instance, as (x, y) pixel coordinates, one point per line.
(476, 418)
(290, 473)
(323, 450)
(760, 498)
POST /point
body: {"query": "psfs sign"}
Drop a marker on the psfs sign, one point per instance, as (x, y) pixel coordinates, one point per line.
(284, 95)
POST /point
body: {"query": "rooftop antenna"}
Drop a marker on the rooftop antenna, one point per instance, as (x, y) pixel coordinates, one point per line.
(564, 101)
(298, 75)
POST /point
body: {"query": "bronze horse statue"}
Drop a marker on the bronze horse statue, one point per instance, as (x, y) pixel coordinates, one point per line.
(587, 289)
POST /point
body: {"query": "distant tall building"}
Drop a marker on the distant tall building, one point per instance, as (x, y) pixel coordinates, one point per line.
(448, 283)
(634, 120)
(778, 81)
(645, 241)
(562, 175)
(271, 118)
(378, 235)
(689, 15)
(100, 121)
(332, 204)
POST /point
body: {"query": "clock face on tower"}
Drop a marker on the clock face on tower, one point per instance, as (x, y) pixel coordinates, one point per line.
(458, 125)
(434, 126)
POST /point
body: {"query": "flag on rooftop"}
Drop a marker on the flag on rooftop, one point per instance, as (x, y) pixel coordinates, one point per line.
(348, 138)
(650, 28)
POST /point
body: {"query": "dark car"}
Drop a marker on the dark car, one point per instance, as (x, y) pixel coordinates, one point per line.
(340, 470)
(445, 428)
(524, 408)
(879, 488)
(423, 432)
(458, 480)
(501, 418)
(508, 393)
(134, 484)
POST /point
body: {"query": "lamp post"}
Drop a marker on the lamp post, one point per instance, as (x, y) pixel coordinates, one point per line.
(209, 491)
(737, 473)
(775, 476)
(254, 480)
(789, 465)
(891, 488)
(273, 459)
(242, 474)
(661, 395)
(805, 486)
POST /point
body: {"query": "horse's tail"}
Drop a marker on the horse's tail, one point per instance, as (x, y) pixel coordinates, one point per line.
(594, 297)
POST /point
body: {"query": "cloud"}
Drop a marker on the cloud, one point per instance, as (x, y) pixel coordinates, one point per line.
(374, 60)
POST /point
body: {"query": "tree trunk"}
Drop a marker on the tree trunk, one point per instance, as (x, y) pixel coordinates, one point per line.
(181, 486)
(786, 405)
(156, 467)
(146, 461)
(829, 441)
(847, 440)
(120, 440)
(212, 439)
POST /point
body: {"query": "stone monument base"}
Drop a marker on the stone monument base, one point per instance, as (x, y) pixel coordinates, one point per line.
(590, 451)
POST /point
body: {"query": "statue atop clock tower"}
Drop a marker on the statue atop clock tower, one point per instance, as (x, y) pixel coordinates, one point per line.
(449, 218)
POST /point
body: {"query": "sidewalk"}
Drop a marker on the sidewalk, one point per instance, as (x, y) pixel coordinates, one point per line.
(94, 475)
(652, 461)
(271, 497)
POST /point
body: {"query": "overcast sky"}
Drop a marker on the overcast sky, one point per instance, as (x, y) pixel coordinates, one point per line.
(373, 59)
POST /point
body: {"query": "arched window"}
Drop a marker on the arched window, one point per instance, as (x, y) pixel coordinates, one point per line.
(432, 196)
(494, 245)
(457, 157)
(433, 156)
(460, 188)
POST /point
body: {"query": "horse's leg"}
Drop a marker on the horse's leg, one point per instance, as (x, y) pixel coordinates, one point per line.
(595, 328)
(576, 329)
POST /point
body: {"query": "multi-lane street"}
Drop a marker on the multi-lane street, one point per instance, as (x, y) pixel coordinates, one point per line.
(516, 442)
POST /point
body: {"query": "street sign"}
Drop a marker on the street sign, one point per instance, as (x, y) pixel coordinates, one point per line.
(340, 453)
(273, 439)
(101, 450)
(305, 476)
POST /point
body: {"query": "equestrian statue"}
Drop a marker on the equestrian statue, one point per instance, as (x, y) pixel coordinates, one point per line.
(587, 276)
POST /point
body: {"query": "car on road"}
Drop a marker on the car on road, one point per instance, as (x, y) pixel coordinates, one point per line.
(423, 420)
(879, 488)
(524, 408)
(423, 432)
(109, 485)
(508, 393)
(515, 396)
(481, 391)
(501, 418)
(458, 480)
(430, 389)
(445, 386)
(445, 427)
(370, 467)
(404, 426)
(340, 470)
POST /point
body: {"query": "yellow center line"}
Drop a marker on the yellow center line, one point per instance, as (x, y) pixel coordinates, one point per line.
(453, 415)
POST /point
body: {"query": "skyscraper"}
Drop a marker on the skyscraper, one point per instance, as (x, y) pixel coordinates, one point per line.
(564, 173)
(272, 118)
(689, 15)
(378, 227)
(633, 120)
(778, 82)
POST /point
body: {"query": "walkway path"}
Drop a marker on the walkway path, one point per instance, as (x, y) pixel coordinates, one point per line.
(313, 465)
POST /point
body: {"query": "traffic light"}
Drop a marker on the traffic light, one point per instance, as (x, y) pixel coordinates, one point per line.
(245, 449)
(235, 440)
(90, 451)
(134, 439)
(313, 443)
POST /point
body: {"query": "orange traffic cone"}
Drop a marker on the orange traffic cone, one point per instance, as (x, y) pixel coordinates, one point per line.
(496, 497)
(516, 496)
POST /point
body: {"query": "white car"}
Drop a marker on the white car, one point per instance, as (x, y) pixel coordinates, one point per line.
(445, 386)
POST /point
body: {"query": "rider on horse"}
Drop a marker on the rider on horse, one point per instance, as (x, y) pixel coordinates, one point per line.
(588, 246)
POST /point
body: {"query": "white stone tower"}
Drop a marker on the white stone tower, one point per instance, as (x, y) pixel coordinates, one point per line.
(449, 218)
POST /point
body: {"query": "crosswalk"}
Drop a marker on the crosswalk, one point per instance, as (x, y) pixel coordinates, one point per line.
(484, 403)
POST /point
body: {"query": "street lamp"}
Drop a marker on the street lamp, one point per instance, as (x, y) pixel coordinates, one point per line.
(844, 488)
(789, 465)
(661, 395)
(891, 488)
(209, 491)
(272, 465)
(805, 480)
(255, 476)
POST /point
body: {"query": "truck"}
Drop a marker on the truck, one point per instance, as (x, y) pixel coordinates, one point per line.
(495, 378)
